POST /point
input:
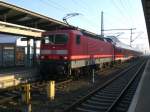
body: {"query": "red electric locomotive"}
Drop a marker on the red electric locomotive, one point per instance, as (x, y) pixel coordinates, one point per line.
(67, 52)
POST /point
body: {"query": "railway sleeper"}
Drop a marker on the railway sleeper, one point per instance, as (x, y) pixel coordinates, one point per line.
(110, 92)
(122, 105)
(132, 91)
(97, 103)
(127, 98)
(120, 109)
(93, 107)
(102, 100)
(119, 84)
(105, 96)
(125, 101)
(113, 88)
(129, 95)
(9, 94)
(113, 85)
(80, 109)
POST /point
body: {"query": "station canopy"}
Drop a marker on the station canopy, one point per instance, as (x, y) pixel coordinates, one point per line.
(146, 8)
(20, 16)
(17, 15)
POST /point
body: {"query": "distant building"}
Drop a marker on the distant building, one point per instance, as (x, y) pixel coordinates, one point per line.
(10, 53)
(13, 51)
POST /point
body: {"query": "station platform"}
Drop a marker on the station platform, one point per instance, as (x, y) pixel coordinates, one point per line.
(141, 99)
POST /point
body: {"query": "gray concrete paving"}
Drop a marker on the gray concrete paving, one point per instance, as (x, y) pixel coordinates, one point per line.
(141, 100)
(15, 76)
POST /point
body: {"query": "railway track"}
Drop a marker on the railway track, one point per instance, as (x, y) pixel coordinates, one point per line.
(59, 85)
(115, 95)
(9, 99)
(12, 94)
(8, 96)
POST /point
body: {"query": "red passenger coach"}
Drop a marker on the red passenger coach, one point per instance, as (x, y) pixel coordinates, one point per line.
(122, 51)
(66, 52)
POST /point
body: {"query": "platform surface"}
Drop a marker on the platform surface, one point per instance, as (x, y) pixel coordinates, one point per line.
(14, 76)
(141, 99)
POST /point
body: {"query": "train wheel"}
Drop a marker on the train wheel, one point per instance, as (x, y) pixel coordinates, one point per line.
(76, 74)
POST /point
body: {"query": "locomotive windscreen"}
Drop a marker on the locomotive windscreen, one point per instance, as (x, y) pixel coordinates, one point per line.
(55, 39)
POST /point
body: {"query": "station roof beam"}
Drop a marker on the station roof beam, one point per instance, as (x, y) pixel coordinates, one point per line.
(4, 11)
(9, 28)
(30, 21)
(16, 17)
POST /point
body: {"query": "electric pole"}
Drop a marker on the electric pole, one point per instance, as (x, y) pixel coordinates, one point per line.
(131, 37)
(102, 25)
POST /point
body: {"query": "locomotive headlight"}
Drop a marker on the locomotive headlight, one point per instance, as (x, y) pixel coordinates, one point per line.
(42, 57)
(65, 57)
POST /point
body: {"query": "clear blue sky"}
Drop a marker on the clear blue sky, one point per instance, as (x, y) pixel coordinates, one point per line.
(117, 14)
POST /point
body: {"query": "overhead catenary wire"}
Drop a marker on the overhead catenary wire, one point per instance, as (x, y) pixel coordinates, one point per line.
(59, 5)
(61, 8)
(84, 10)
(122, 3)
(120, 12)
(49, 4)
(113, 19)
(126, 7)
(139, 34)
(81, 5)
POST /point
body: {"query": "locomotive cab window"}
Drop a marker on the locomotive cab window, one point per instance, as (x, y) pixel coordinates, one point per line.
(78, 39)
(43, 41)
(56, 39)
(60, 39)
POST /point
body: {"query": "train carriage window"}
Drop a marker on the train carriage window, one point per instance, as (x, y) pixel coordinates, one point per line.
(78, 39)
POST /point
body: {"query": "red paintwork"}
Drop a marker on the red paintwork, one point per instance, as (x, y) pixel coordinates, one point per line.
(122, 53)
(87, 49)
(91, 47)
